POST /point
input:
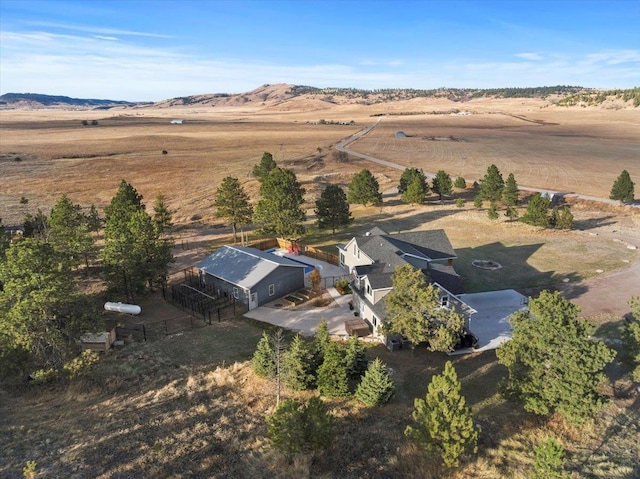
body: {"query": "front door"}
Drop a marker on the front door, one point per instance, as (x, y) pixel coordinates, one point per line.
(253, 301)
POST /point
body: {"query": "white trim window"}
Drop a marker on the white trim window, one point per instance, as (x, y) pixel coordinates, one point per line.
(236, 293)
(444, 301)
(272, 289)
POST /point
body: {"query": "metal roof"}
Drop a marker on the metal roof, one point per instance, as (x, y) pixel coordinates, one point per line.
(244, 267)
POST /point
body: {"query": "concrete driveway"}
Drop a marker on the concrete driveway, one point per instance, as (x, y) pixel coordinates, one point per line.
(491, 322)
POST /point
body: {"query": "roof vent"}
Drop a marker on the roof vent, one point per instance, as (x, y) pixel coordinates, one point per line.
(368, 233)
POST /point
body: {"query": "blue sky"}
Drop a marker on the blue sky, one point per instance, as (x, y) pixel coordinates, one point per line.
(153, 50)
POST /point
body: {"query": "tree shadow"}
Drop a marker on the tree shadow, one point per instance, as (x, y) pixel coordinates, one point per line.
(592, 223)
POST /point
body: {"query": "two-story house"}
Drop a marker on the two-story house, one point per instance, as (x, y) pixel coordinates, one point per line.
(372, 259)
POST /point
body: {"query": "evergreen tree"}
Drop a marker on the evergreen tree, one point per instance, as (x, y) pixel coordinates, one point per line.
(318, 425)
(94, 221)
(134, 254)
(264, 364)
(364, 189)
(232, 203)
(286, 429)
(442, 184)
(477, 201)
(69, 232)
(161, 215)
(297, 365)
(41, 311)
(460, 183)
(492, 184)
(537, 211)
(295, 427)
(332, 209)
(622, 189)
(413, 310)
(554, 363)
(267, 165)
(409, 175)
(510, 193)
(511, 213)
(549, 462)
(37, 226)
(443, 421)
(416, 191)
(355, 358)
(321, 340)
(375, 388)
(492, 212)
(565, 219)
(280, 210)
(332, 378)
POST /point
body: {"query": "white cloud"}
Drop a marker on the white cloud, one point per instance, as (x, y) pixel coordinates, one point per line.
(98, 30)
(96, 66)
(529, 56)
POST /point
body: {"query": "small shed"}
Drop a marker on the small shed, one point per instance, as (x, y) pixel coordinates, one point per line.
(100, 342)
(401, 134)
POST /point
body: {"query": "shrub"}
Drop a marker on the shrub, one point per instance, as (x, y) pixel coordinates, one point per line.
(315, 279)
(343, 287)
(459, 203)
(460, 183)
(549, 463)
(164, 152)
(81, 365)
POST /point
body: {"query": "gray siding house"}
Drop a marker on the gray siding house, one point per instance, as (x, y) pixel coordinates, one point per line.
(372, 259)
(251, 276)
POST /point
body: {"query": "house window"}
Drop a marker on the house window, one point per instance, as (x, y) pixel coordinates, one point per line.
(341, 258)
(355, 249)
(236, 294)
(375, 322)
(444, 301)
(272, 289)
(368, 289)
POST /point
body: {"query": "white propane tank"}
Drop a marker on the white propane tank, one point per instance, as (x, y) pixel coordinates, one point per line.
(123, 308)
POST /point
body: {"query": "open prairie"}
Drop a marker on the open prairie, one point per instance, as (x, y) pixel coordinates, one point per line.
(44, 153)
(569, 151)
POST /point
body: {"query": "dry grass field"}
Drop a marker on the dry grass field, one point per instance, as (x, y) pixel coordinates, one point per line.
(568, 151)
(188, 406)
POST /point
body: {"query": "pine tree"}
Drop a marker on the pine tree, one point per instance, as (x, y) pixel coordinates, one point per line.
(510, 193)
(632, 338)
(355, 358)
(565, 219)
(477, 201)
(161, 215)
(443, 421)
(460, 183)
(267, 165)
(297, 365)
(232, 203)
(554, 363)
(442, 184)
(511, 213)
(68, 231)
(364, 189)
(286, 428)
(295, 427)
(623, 188)
(332, 378)
(413, 310)
(492, 212)
(280, 210)
(416, 191)
(537, 211)
(264, 364)
(407, 177)
(492, 184)
(321, 340)
(549, 462)
(332, 208)
(376, 387)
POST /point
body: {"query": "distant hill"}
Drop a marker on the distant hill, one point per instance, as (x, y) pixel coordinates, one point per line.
(285, 96)
(36, 100)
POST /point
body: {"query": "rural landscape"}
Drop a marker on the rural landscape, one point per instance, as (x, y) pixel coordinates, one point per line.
(196, 397)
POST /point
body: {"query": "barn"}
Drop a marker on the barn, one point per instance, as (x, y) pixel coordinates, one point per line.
(251, 276)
